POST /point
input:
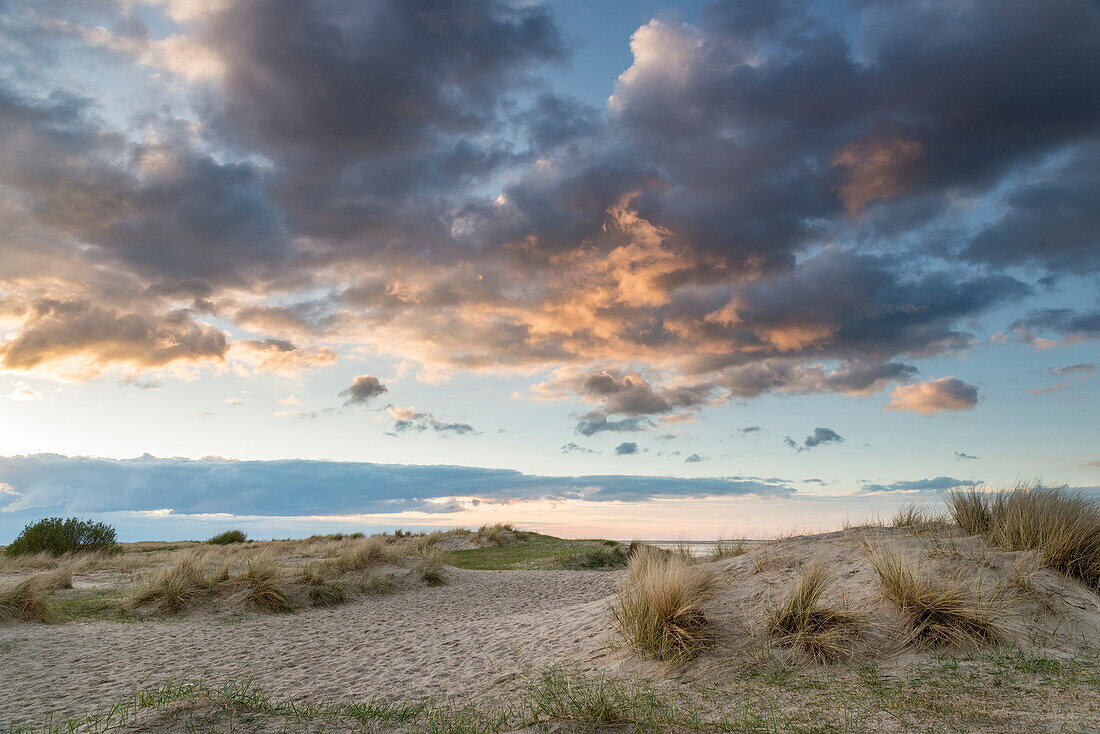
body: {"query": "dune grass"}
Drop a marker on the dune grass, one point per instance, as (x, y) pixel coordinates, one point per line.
(497, 534)
(1063, 526)
(916, 516)
(659, 608)
(265, 588)
(803, 621)
(360, 554)
(25, 601)
(174, 588)
(939, 610)
(727, 548)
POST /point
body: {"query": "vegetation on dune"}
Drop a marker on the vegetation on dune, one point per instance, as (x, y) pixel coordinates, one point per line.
(939, 610)
(228, 537)
(265, 588)
(659, 610)
(802, 619)
(174, 588)
(498, 534)
(993, 691)
(1062, 526)
(26, 601)
(56, 536)
(533, 550)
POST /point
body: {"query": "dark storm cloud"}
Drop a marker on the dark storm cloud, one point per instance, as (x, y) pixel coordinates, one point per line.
(342, 79)
(936, 484)
(362, 389)
(49, 483)
(1053, 221)
(820, 436)
(626, 448)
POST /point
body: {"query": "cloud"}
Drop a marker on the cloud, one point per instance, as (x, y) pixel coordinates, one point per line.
(820, 437)
(410, 419)
(288, 400)
(626, 448)
(934, 396)
(1093, 463)
(598, 422)
(1073, 326)
(402, 180)
(21, 392)
(696, 458)
(363, 388)
(79, 339)
(1052, 388)
(573, 448)
(1071, 369)
(49, 483)
(745, 430)
(280, 356)
(961, 456)
(233, 402)
(935, 484)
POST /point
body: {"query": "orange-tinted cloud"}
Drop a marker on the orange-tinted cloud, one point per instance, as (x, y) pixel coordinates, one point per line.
(877, 170)
(934, 396)
(77, 339)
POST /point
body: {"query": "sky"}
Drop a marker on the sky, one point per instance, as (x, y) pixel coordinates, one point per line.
(619, 269)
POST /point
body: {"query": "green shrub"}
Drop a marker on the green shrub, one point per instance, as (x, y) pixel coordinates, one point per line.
(229, 536)
(56, 535)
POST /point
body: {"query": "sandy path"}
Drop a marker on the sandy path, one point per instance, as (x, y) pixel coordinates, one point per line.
(450, 640)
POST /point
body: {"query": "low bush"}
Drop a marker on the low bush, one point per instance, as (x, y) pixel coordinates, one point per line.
(56, 535)
(601, 556)
(229, 536)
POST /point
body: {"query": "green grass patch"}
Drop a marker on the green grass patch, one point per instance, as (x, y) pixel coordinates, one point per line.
(89, 606)
(531, 550)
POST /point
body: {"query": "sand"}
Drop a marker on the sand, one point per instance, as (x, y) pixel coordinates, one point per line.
(484, 628)
(478, 636)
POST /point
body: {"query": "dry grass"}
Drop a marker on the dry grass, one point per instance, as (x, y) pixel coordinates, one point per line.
(659, 608)
(497, 534)
(1064, 527)
(25, 600)
(359, 554)
(265, 588)
(430, 569)
(917, 516)
(940, 611)
(804, 621)
(724, 548)
(176, 587)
